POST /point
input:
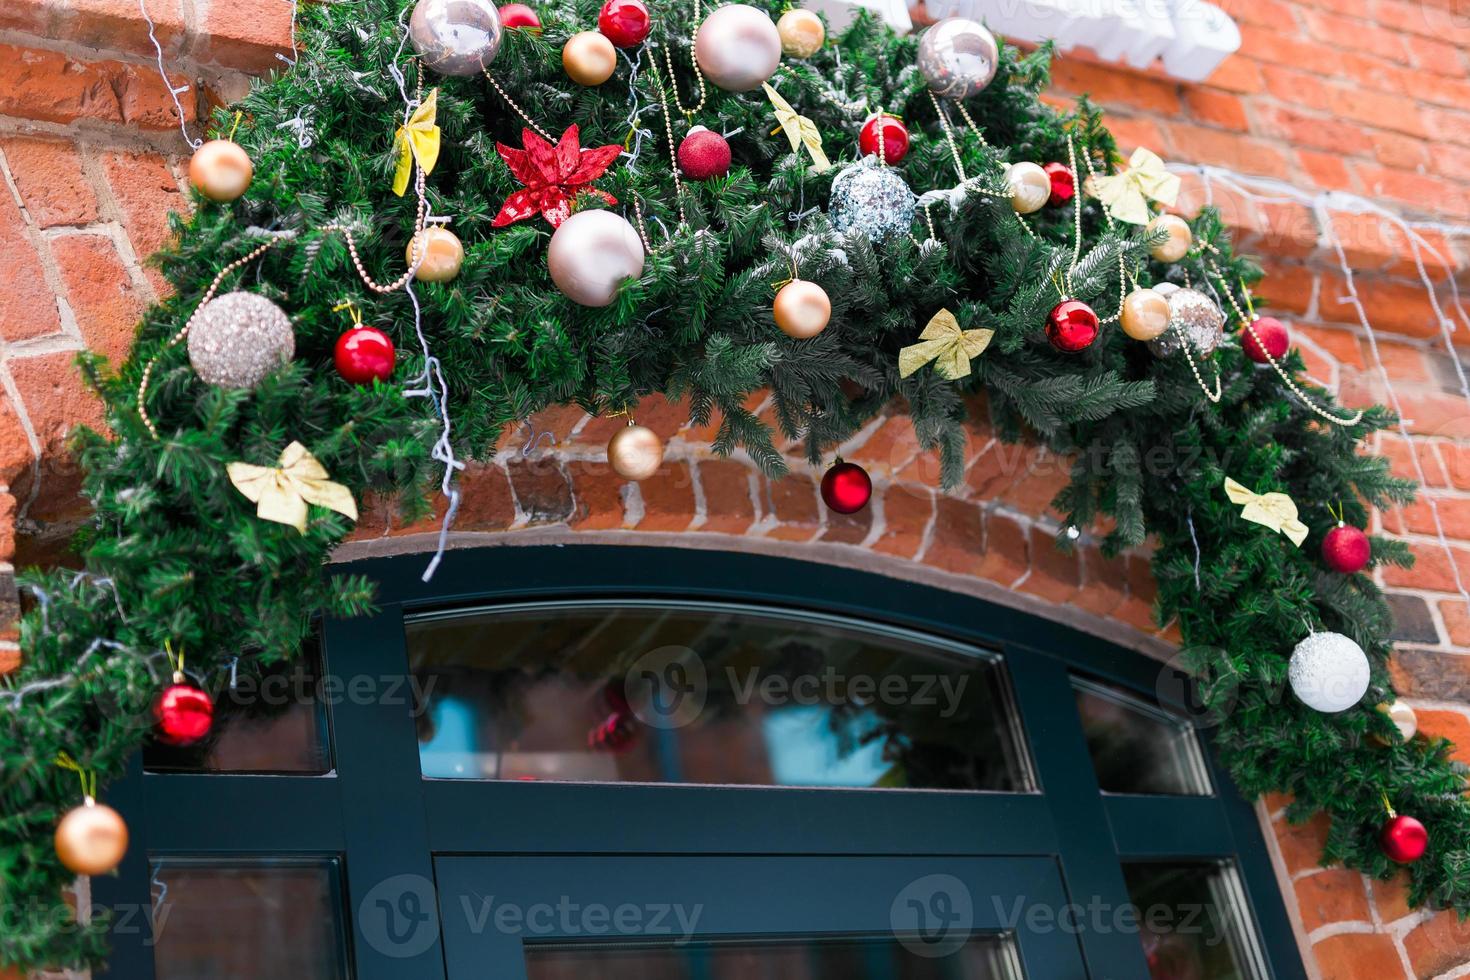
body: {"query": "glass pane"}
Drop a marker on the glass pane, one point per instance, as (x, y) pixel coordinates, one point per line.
(981, 958)
(629, 691)
(247, 919)
(272, 720)
(1137, 747)
(1193, 922)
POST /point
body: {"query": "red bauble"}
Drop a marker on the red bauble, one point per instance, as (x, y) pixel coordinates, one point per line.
(1072, 326)
(847, 488)
(704, 154)
(1403, 839)
(895, 142)
(1346, 549)
(519, 15)
(183, 712)
(616, 733)
(624, 22)
(1274, 339)
(364, 353)
(1063, 184)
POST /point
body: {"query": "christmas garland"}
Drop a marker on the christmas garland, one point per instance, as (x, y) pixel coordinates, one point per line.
(394, 257)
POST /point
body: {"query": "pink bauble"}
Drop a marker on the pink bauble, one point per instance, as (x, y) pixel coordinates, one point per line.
(591, 254)
(738, 47)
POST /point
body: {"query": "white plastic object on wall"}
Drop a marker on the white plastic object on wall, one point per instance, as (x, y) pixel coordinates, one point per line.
(1192, 37)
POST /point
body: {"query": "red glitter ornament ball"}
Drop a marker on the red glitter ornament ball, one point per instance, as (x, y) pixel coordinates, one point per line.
(847, 488)
(183, 712)
(1063, 184)
(364, 353)
(895, 141)
(704, 154)
(1265, 335)
(1072, 326)
(624, 22)
(519, 15)
(1346, 549)
(1403, 839)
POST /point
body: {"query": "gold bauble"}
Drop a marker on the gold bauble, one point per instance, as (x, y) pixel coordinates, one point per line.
(91, 839)
(589, 58)
(635, 452)
(1145, 314)
(802, 309)
(1403, 718)
(802, 33)
(444, 255)
(221, 170)
(1029, 186)
(1176, 246)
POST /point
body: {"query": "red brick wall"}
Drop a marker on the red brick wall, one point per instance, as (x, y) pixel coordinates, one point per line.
(1370, 97)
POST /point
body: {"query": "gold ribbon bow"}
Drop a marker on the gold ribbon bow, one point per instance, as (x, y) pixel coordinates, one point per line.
(1126, 195)
(1274, 510)
(281, 492)
(944, 343)
(800, 130)
(419, 140)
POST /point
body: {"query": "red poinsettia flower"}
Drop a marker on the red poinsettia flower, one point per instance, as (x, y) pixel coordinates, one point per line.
(553, 175)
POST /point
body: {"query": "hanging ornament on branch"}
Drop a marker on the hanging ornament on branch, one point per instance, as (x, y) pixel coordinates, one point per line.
(802, 33)
(1029, 187)
(91, 839)
(624, 22)
(518, 15)
(1125, 195)
(1063, 183)
(281, 492)
(553, 175)
(363, 354)
(1072, 326)
(456, 37)
(1402, 838)
(885, 137)
(1274, 510)
(872, 200)
(1329, 672)
(1265, 339)
(635, 452)
(846, 487)
(703, 154)
(801, 309)
(589, 58)
(592, 254)
(435, 254)
(182, 711)
(737, 47)
(221, 170)
(1403, 719)
(950, 348)
(958, 57)
(235, 340)
(1345, 548)
(1194, 320)
(1178, 237)
(417, 142)
(1145, 314)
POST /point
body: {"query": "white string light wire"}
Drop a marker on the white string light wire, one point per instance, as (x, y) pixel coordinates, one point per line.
(1265, 190)
(176, 91)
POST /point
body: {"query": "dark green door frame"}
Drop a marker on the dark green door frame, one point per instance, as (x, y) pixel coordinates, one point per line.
(389, 822)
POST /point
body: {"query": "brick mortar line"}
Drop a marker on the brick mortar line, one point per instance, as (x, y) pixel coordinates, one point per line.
(179, 63)
(118, 136)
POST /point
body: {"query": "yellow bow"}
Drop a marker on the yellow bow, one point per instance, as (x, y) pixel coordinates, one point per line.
(419, 140)
(944, 343)
(1124, 194)
(800, 130)
(1274, 510)
(281, 492)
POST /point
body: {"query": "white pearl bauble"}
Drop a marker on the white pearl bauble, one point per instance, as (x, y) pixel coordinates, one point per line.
(1029, 186)
(1329, 672)
(591, 254)
(738, 47)
(1176, 246)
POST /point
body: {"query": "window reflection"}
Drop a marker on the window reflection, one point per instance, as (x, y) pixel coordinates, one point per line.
(1193, 921)
(629, 691)
(1137, 747)
(981, 958)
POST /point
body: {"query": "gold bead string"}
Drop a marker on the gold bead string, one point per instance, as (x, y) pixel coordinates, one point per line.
(673, 82)
(979, 134)
(1248, 323)
(954, 147)
(183, 331)
(1214, 396)
(516, 106)
(642, 228)
(1076, 213)
(418, 243)
(663, 102)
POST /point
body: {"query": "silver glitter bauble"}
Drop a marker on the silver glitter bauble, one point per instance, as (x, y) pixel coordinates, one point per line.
(456, 37)
(1329, 672)
(958, 57)
(1192, 316)
(871, 199)
(239, 338)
